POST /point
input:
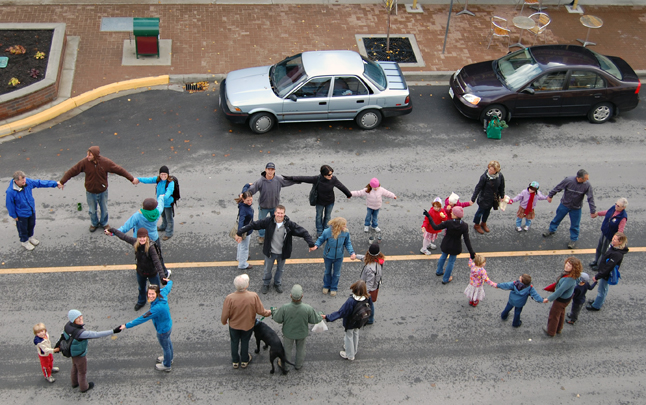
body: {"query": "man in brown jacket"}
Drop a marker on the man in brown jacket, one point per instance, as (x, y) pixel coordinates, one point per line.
(96, 169)
(240, 309)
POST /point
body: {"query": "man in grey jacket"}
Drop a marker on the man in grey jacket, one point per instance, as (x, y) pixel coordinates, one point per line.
(269, 186)
(574, 188)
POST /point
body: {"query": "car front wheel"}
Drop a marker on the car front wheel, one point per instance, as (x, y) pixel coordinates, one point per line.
(368, 119)
(600, 113)
(262, 122)
(494, 110)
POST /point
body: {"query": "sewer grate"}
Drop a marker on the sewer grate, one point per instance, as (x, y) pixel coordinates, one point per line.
(198, 86)
(401, 50)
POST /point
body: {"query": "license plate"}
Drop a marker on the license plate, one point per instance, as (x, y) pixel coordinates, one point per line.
(451, 92)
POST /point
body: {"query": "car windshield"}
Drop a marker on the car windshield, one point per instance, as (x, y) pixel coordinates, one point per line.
(517, 68)
(285, 75)
(374, 73)
(607, 65)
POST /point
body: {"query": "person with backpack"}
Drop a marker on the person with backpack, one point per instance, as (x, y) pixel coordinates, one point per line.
(372, 271)
(73, 344)
(611, 259)
(355, 313)
(149, 265)
(168, 186)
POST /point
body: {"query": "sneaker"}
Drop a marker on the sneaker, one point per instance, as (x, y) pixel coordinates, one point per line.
(376, 228)
(571, 322)
(244, 365)
(279, 288)
(332, 293)
(591, 301)
(345, 356)
(166, 237)
(425, 251)
(168, 273)
(261, 240)
(34, 241)
(27, 245)
(161, 367)
(571, 244)
(326, 290)
(520, 323)
(50, 379)
(138, 306)
(366, 229)
(92, 228)
(264, 289)
(591, 308)
(55, 369)
(432, 245)
(547, 234)
(90, 386)
(160, 359)
(519, 229)
(525, 228)
(592, 264)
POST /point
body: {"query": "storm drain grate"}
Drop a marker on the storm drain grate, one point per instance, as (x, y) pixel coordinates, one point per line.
(199, 86)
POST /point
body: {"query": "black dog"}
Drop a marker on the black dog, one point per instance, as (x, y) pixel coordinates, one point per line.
(263, 332)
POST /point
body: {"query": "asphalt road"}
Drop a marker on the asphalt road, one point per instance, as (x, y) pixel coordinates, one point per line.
(428, 345)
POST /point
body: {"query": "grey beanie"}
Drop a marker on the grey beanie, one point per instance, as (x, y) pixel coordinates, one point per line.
(73, 314)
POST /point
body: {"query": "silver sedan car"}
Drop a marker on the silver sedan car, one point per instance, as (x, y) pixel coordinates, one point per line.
(315, 86)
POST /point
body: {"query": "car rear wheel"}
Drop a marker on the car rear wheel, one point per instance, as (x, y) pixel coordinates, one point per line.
(600, 113)
(368, 119)
(494, 110)
(262, 122)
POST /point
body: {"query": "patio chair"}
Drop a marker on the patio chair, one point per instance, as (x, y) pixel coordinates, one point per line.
(499, 29)
(530, 3)
(542, 21)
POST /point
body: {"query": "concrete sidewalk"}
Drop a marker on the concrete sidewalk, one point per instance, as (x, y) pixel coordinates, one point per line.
(218, 38)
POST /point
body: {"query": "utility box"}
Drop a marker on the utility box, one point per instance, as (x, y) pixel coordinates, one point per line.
(146, 33)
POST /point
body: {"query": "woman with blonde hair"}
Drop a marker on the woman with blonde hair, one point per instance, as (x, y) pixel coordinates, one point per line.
(611, 259)
(562, 295)
(336, 237)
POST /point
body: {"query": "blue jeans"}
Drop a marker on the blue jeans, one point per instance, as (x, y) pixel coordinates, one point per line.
(168, 223)
(331, 280)
(371, 216)
(602, 291)
(372, 312)
(517, 311)
(240, 338)
(262, 214)
(321, 221)
(449, 267)
(280, 266)
(167, 347)
(143, 288)
(26, 226)
(575, 220)
(101, 200)
(519, 222)
(481, 215)
(243, 253)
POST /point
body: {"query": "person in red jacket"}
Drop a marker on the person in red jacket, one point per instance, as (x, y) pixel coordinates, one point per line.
(430, 235)
(96, 169)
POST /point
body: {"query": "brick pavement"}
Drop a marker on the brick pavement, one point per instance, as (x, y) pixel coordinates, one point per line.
(221, 38)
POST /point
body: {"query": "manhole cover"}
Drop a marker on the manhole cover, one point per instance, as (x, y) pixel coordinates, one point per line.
(401, 50)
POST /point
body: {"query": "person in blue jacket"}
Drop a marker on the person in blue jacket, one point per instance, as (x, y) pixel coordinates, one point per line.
(165, 187)
(245, 216)
(146, 217)
(22, 207)
(336, 238)
(159, 313)
(521, 289)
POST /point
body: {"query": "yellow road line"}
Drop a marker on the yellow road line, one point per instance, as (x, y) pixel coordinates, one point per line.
(232, 263)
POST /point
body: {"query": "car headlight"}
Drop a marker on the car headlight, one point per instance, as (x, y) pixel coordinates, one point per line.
(471, 98)
(231, 107)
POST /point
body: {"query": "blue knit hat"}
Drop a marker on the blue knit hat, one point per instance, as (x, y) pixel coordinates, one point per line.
(73, 314)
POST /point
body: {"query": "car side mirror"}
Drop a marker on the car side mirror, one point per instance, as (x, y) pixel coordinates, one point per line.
(292, 97)
(528, 90)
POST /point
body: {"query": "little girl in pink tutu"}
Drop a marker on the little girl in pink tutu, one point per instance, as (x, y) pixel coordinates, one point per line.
(475, 289)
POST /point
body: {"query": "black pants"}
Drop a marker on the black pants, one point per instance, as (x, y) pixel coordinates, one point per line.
(576, 310)
(25, 227)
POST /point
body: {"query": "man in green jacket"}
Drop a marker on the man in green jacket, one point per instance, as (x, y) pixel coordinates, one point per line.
(295, 317)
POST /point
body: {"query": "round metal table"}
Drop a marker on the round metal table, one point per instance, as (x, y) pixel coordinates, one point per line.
(524, 23)
(590, 21)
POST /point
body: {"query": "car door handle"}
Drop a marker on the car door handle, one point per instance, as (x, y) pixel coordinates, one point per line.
(360, 101)
(323, 103)
(556, 97)
(598, 95)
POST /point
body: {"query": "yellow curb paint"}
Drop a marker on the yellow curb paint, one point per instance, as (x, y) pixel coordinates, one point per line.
(232, 263)
(79, 100)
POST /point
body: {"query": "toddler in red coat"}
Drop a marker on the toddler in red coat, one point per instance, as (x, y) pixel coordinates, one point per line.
(430, 235)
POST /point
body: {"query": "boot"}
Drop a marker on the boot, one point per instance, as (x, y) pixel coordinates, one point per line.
(478, 228)
(485, 227)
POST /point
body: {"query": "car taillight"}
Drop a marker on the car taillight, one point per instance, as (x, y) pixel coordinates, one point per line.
(408, 97)
(639, 86)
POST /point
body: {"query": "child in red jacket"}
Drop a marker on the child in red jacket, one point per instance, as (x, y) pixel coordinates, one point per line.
(430, 235)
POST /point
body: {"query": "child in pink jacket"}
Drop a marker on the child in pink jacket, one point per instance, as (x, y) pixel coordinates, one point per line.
(454, 201)
(527, 201)
(373, 193)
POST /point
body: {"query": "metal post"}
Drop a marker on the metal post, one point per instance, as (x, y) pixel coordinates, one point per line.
(448, 21)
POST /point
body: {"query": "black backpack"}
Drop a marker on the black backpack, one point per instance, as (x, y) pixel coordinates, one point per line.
(176, 195)
(360, 314)
(65, 344)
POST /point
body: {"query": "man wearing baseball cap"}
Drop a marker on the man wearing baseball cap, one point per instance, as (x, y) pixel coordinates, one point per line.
(269, 185)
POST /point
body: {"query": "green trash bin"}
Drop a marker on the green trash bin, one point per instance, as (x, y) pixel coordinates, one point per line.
(146, 33)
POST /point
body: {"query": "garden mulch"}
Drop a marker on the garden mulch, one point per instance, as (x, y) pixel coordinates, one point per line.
(24, 66)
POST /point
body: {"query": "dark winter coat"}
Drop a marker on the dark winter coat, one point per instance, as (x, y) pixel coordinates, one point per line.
(455, 230)
(96, 172)
(148, 264)
(579, 292)
(487, 190)
(245, 216)
(612, 258)
(269, 225)
(325, 187)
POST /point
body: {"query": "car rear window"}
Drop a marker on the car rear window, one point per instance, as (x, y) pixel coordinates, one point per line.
(607, 66)
(374, 73)
(517, 68)
(285, 75)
